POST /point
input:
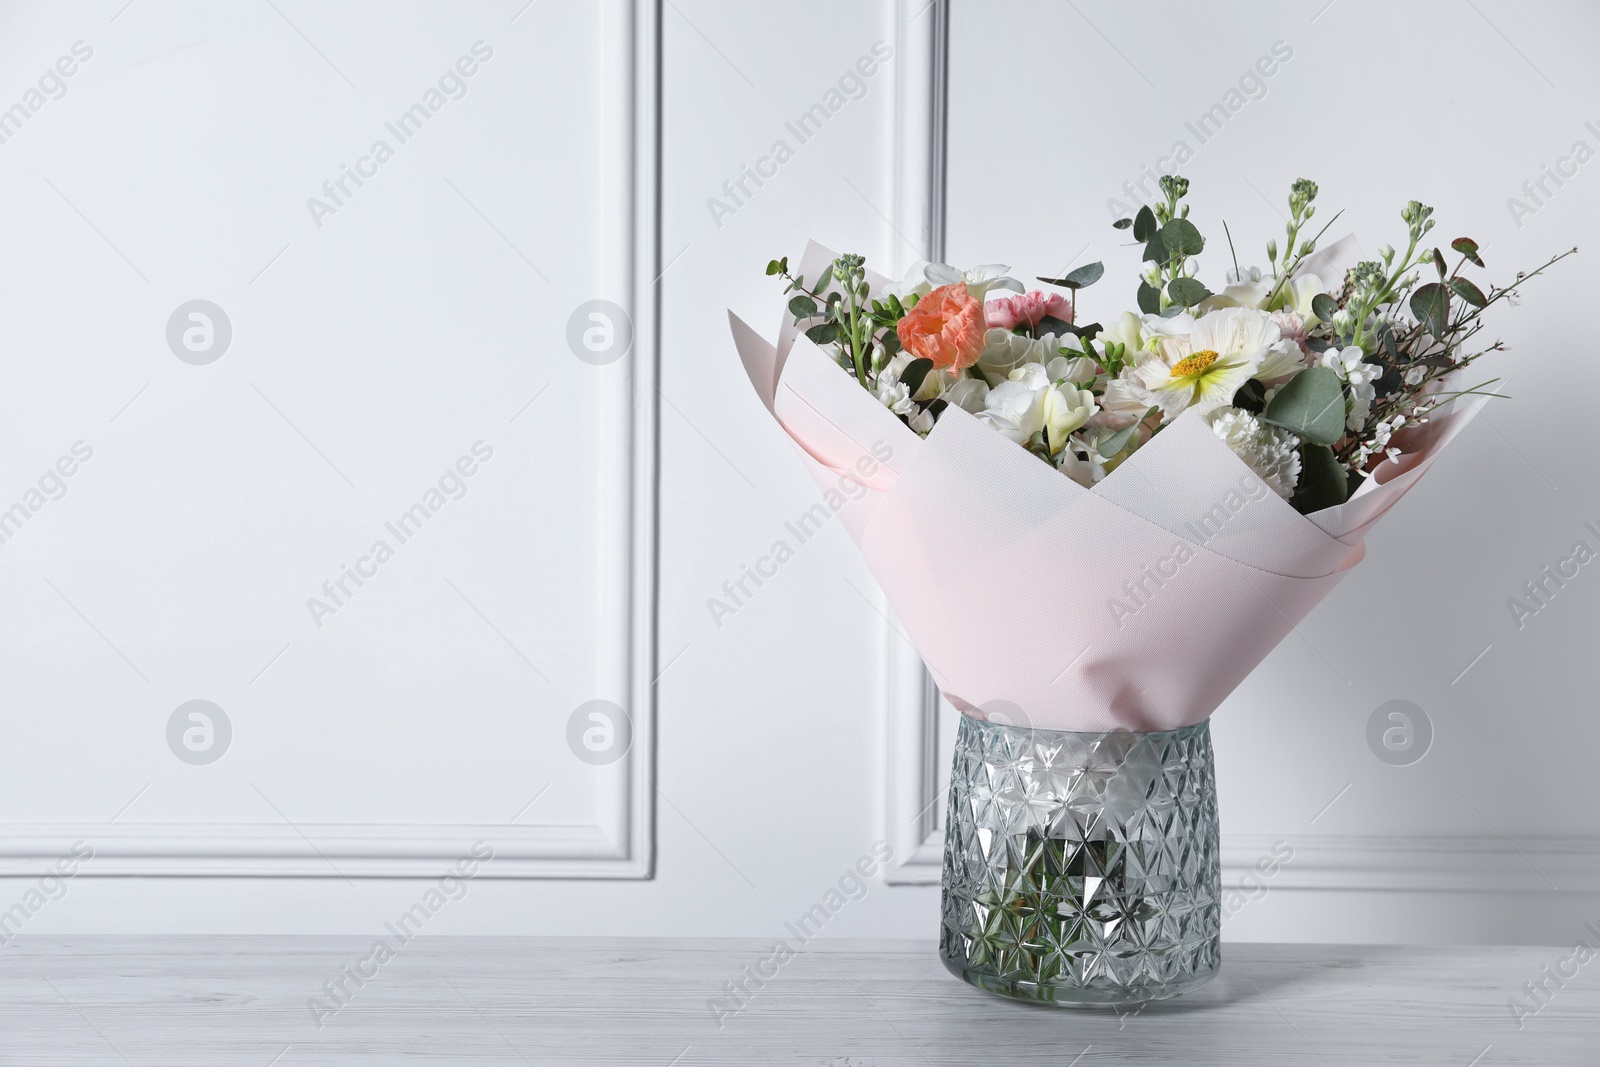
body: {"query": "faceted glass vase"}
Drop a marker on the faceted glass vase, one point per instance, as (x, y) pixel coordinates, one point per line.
(1082, 868)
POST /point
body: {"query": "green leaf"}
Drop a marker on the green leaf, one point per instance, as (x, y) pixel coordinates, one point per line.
(1080, 278)
(1469, 292)
(1469, 248)
(774, 267)
(914, 373)
(1144, 224)
(1310, 404)
(1149, 298)
(1122, 224)
(1438, 263)
(1323, 483)
(1117, 441)
(1088, 332)
(890, 342)
(1251, 397)
(1431, 305)
(1051, 324)
(1187, 291)
(802, 307)
(1324, 306)
(824, 333)
(1156, 250)
(1182, 238)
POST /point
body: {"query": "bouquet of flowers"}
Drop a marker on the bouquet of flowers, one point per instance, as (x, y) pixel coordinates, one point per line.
(1224, 449)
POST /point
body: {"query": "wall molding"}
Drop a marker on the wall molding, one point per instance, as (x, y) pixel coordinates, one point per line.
(913, 810)
(620, 844)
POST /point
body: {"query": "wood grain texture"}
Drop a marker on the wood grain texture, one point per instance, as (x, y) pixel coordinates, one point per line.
(517, 1001)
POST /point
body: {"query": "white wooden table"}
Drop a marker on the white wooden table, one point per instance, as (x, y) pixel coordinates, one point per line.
(517, 1001)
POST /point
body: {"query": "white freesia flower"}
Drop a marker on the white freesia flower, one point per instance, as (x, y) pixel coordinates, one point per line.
(1158, 327)
(979, 279)
(1004, 352)
(1205, 368)
(1359, 376)
(915, 283)
(1298, 294)
(1065, 410)
(1126, 332)
(967, 394)
(1079, 369)
(1272, 452)
(921, 422)
(1246, 288)
(1126, 395)
(1283, 360)
(1015, 407)
(1029, 402)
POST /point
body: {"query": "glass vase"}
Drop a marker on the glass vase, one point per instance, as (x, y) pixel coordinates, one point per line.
(1082, 868)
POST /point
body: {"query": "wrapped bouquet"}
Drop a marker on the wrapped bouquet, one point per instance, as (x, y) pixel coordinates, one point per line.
(1177, 488)
(1092, 532)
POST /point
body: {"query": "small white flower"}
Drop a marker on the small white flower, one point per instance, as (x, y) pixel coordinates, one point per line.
(1085, 472)
(921, 422)
(1358, 376)
(895, 396)
(1272, 452)
(1414, 375)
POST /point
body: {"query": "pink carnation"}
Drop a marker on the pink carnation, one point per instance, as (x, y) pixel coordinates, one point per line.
(1009, 312)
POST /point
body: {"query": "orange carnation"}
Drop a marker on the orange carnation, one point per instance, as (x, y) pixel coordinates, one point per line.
(946, 326)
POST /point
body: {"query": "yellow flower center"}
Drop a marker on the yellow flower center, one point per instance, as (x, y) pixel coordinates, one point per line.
(1194, 365)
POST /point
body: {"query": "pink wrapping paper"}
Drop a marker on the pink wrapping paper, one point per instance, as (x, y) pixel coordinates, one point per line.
(1139, 604)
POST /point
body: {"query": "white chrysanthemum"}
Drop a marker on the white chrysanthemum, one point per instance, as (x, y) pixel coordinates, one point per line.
(1271, 452)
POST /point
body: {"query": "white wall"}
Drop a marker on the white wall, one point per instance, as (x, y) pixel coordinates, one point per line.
(414, 322)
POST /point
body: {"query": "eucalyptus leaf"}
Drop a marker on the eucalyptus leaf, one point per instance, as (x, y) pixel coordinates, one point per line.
(1117, 441)
(1323, 483)
(1181, 237)
(1431, 305)
(824, 333)
(774, 267)
(1438, 263)
(1324, 307)
(1149, 298)
(1144, 224)
(1469, 248)
(1311, 404)
(1122, 224)
(1082, 277)
(1469, 292)
(1187, 291)
(1155, 250)
(1051, 324)
(802, 307)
